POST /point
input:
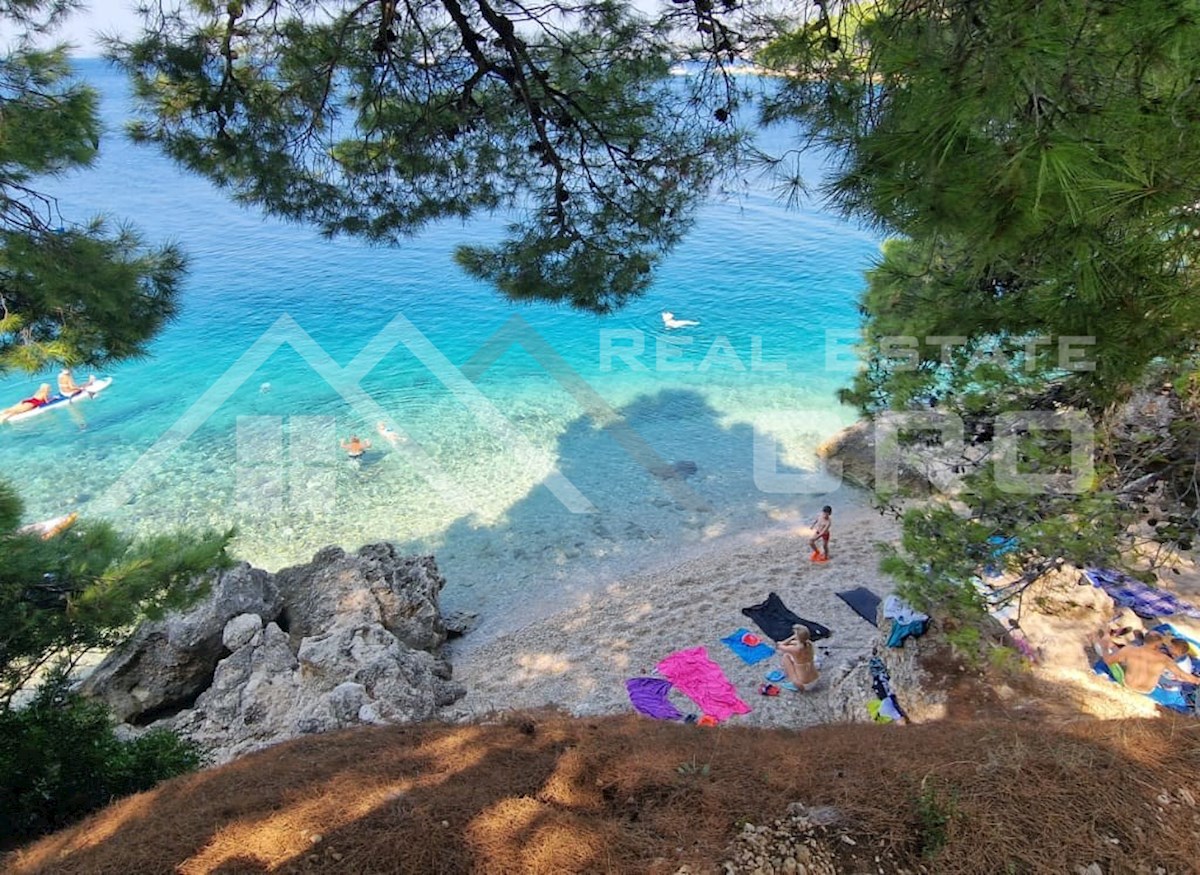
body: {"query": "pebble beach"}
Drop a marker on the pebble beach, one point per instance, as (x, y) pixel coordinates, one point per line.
(577, 659)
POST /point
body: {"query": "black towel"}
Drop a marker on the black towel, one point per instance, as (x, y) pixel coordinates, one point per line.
(774, 618)
(864, 603)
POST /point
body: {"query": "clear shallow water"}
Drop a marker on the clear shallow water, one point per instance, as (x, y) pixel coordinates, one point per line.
(289, 343)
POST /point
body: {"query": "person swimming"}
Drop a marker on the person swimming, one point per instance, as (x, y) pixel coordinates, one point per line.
(669, 321)
(388, 434)
(356, 448)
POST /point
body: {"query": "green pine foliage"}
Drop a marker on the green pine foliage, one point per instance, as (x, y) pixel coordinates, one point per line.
(87, 587)
(1037, 166)
(1040, 160)
(80, 293)
(60, 760)
(82, 589)
(374, 120)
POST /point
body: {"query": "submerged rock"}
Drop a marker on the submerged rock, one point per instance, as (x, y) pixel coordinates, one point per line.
(675, 470)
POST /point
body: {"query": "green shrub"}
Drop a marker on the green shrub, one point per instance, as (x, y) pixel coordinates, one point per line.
(59, 760)
(966, 639)
(935, 812)
(1007, 660)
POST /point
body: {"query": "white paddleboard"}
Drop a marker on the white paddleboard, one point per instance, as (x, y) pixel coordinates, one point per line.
(57, 401)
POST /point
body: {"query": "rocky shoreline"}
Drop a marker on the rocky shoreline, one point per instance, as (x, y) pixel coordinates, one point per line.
(359, 639)
(344, 640)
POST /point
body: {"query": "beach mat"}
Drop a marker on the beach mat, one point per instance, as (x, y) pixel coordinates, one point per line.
(863, 602)
(649, 696)
(1147, 602)
(749, 653)
(702, 681)
(776, 621)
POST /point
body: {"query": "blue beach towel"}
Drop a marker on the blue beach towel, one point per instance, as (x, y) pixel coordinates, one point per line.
(1145, 601)
(750, 655)
(1175, 699)
(906, 620)
(900, 631)
(998, 546)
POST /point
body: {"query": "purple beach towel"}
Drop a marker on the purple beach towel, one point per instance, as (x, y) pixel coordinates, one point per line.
(702, 680)
(649, 696)
(749, 654)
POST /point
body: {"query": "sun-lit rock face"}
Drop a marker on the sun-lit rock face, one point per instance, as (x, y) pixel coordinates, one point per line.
(341, 641)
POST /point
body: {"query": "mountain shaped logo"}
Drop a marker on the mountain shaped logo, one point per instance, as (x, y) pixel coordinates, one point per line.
(461, 383)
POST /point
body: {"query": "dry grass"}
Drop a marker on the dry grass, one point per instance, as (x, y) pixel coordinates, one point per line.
(546, 793)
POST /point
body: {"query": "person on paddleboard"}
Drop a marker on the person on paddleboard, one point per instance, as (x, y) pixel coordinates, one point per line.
(67, 387)
(37, 399)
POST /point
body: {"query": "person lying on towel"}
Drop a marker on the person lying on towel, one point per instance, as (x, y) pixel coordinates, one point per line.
(799, 664)
(1140, 666)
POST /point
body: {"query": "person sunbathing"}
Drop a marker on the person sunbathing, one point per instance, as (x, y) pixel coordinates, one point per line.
(36, 400)
(798, 659)
(1141, 667)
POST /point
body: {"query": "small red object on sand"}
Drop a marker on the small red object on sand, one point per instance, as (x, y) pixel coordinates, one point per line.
(707, 720)
(769, 690)
(751, 640)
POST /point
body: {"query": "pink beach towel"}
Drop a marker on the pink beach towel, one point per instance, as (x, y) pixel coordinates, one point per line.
(702, 680)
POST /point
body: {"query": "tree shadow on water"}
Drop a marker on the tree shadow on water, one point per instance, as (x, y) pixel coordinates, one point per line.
(663, 478)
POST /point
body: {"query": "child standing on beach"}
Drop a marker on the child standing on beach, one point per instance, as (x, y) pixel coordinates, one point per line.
(820, 527)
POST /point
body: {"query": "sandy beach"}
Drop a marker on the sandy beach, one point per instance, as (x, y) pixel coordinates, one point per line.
(578, 659)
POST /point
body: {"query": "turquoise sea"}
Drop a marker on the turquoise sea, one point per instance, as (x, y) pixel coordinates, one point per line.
(543, 450)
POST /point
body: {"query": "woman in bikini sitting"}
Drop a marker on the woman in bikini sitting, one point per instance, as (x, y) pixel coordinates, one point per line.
(67, 387)
(38, 399)
(797, 656)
